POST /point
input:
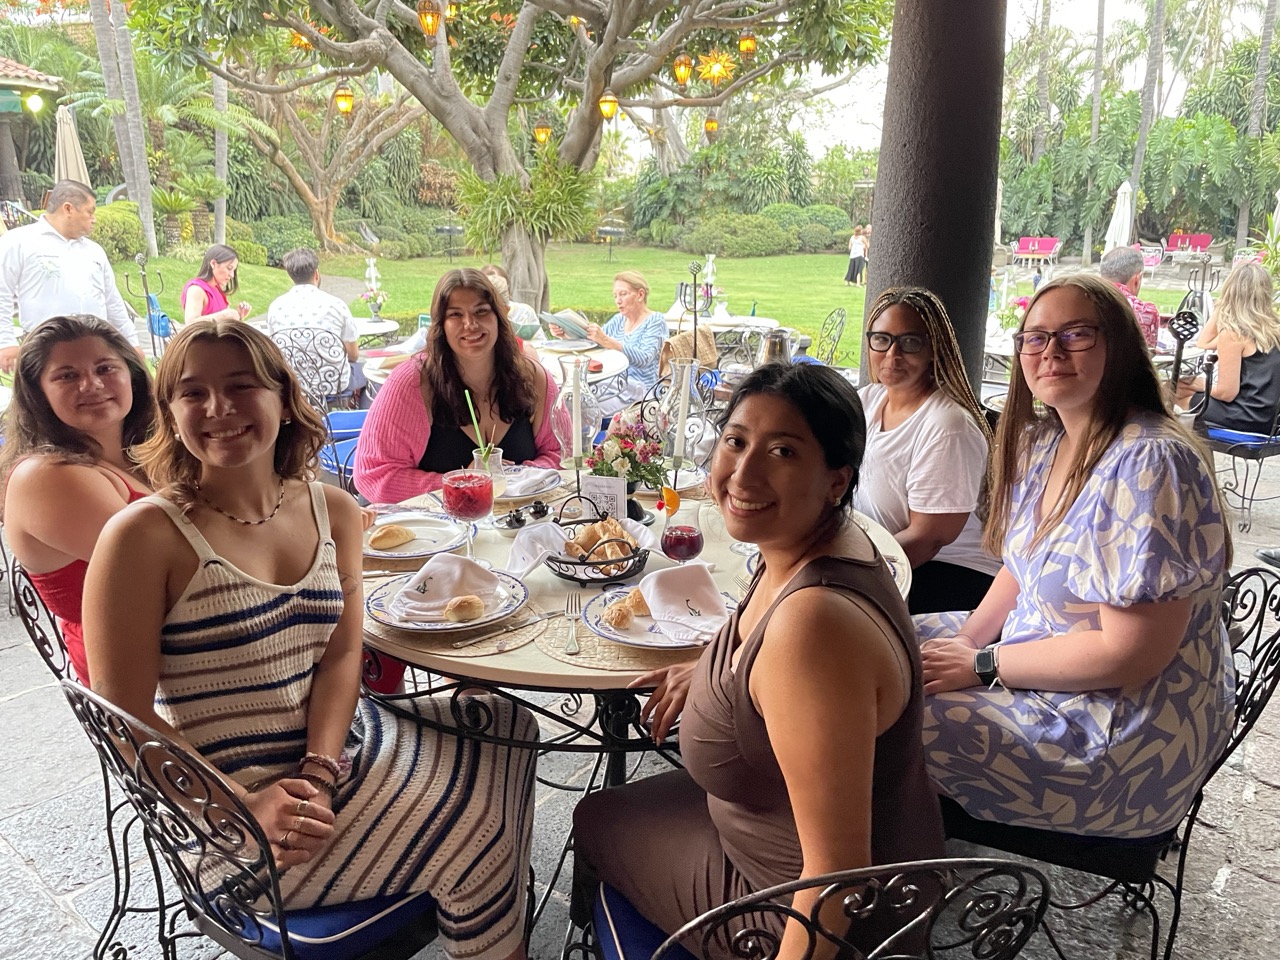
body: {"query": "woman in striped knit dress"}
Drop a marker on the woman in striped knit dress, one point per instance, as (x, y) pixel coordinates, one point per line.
(227, 612)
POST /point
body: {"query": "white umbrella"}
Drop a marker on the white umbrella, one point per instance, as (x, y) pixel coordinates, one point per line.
(1119, 231)
(68, 158)
(1275, 217)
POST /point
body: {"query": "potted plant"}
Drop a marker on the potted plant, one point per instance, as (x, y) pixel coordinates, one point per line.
(171, 205)
(204, 189)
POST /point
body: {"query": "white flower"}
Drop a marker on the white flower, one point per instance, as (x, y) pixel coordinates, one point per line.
(622, 466)
(611, 450)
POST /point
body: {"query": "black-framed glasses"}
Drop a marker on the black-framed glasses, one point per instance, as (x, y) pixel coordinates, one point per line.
(907, 342)
(1071, 339)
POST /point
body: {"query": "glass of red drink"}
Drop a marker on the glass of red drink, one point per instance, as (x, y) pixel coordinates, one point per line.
(682, 538)
(467, 496)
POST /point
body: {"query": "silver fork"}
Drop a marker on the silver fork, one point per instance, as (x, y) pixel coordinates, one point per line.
(572, 614)
(742, 583)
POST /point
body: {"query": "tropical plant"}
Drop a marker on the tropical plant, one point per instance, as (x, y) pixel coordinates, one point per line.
(171, 205)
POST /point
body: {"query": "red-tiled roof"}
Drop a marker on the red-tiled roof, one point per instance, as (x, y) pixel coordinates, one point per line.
(14, 74)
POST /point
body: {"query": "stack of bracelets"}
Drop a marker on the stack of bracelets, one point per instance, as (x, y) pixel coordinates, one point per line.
(337, 766)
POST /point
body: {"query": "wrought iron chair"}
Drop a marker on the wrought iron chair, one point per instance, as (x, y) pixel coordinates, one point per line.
(829, 337)
(47, 638)
(927, 909)
(222, 862)
(319, 360)
(1250, 604)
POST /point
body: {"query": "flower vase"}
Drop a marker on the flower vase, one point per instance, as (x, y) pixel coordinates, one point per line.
(681, 416)
(574, 390)
(375, 310)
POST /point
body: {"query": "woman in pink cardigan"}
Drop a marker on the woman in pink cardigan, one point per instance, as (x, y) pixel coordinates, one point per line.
(420, 427)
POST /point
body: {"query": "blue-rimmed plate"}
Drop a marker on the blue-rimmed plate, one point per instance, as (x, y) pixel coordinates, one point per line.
(753, 561)
(432, 533)
(643, 632)
(511, 596)
(515, 471)
(895, 566)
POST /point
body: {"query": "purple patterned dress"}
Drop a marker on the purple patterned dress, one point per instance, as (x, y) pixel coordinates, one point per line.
(1114, 763)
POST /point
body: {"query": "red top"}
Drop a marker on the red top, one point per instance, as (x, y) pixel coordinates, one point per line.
(215, 299)
(62, 591)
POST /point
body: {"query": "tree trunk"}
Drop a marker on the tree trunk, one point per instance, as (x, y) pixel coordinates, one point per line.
(220, 161)
(1094, 122)
(1257, 110)
(523, 256)
(102, 32)
(1155, 53)
(1040, 133)
(137, 130)
(669, 150)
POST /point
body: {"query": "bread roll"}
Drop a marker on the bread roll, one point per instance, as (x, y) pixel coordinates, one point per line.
(461, 609)
(389, 535)
(618, 614)
(635, 599)
(588, 536)
(574, 550)
(613, 550)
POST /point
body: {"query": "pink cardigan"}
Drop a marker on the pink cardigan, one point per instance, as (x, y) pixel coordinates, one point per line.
(396, 433)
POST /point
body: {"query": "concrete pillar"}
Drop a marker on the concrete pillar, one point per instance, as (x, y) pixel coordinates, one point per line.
(934, 217)
(10, 176)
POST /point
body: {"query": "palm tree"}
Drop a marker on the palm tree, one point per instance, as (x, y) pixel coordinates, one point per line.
(1098, 50)
(220, 161)
(1257, 109)
(1042, 85)
(1155, 54)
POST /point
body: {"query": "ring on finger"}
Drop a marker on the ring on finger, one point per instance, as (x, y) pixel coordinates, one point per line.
(297, 825)
(283, 842)
(302, 807)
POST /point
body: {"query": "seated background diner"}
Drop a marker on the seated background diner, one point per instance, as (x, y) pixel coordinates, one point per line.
(81, 399)
(419, 426)
(801, 719)
(1123, 266)
(1093, 686)
(1244, 331)
(637, 331)
(227, 610)
(924, 475)
(205, 295)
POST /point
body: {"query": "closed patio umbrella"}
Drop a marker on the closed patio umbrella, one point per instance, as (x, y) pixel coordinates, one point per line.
(68, 157)
(1119, 231)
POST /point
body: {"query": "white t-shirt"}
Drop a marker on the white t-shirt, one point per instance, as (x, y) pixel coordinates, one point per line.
(43, 275)
(932, 462)
(308, 307)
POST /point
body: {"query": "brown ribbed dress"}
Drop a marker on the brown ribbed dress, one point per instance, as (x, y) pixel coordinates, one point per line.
(678, 844)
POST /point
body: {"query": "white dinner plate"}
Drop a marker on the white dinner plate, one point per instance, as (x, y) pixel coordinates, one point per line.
(515, 471)
(691, 478)
(511, 596)
(568, 346)
(643, 632)
(896, 568)
(432, 533)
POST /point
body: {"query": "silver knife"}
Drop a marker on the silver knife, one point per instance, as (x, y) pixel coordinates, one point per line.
(507, 629)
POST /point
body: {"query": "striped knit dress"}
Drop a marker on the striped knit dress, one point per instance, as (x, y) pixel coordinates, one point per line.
(421, 810)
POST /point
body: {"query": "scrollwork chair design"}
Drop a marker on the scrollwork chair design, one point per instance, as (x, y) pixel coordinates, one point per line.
(222, 862)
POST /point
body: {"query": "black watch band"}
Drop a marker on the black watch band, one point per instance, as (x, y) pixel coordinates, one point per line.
(985, 665)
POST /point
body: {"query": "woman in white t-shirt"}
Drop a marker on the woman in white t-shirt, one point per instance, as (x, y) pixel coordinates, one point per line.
(924, 474)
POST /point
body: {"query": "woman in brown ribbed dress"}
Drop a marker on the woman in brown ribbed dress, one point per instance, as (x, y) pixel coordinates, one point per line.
(801, 731)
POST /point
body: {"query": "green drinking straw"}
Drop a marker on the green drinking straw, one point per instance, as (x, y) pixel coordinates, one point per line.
(485, 448)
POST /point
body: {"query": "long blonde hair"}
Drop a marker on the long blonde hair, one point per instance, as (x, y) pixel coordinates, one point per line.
(1129, 384)
(1246, 308)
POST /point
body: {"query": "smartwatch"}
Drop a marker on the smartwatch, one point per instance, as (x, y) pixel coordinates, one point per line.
(986, 664)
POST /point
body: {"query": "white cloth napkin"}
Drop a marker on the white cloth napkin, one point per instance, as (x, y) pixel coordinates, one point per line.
(684, 602)
(536, 542)
(443, 577)
(529, 481)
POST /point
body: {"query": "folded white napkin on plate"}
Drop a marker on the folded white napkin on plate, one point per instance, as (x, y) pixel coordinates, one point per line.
(538, 541)
(529, 480)
(684, 602)
(443, 577)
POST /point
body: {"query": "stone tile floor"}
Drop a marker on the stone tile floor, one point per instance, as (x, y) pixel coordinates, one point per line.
(56, 884)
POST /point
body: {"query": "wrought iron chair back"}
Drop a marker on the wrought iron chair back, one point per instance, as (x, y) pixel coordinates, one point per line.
(318, 359)
(40, 625)
(927, 909)
(213, 846)
(829, 336)
(1251, 612)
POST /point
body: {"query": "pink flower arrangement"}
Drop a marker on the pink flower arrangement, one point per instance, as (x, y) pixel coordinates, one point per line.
(628, 451)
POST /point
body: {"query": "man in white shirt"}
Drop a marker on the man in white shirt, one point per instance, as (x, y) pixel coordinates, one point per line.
(51, 268)
(307, 307)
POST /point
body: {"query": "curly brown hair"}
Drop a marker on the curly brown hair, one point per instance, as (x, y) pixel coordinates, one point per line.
(173, 469)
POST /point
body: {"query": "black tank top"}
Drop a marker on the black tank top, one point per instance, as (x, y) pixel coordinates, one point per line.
(1254, 407)
(448, 448)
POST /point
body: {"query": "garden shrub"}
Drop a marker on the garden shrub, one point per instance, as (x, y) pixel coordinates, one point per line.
(831, 217)
(385, 231)
(788, 215)
(395, 250)
(742, 235)
(118, 228)
(664, 232)
(813, 238)
(840, 238)
(237, 231)
(254, 254)
(34, 185)
(282, 234)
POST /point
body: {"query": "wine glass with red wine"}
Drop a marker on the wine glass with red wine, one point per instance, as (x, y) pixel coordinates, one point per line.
(682, 538)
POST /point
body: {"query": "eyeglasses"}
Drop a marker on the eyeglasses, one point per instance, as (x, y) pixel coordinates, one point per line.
(907, 342)
(1070, 339)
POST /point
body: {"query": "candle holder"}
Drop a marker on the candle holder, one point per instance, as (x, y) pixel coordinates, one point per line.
(576, 418)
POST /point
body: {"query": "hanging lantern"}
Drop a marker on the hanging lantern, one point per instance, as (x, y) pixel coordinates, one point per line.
(608, 105)
(574, 22)
(711, 125)
(716, 67)
(542, 130)
(682, 67)
(747, 45)
(343, 98)
(450, 12)
(35, 102)
(298, 41)
(429, 17)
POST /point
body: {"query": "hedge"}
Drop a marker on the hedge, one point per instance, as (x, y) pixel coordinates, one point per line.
(736, 235)
(118, 228)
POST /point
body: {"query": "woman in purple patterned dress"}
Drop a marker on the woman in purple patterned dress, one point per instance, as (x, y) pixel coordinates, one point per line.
(1093, 687)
